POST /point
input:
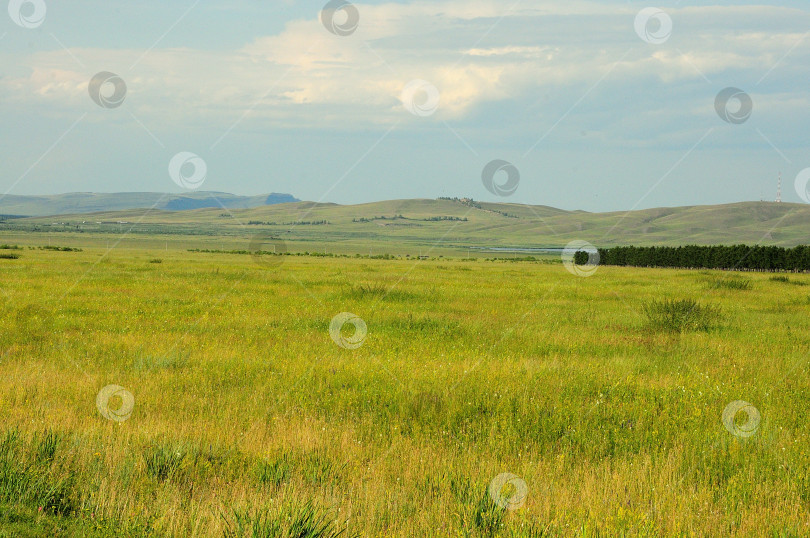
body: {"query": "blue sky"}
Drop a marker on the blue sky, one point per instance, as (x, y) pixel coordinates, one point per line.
(594, 115)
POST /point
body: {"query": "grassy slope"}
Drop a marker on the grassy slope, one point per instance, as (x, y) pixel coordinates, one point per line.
(750, 222)
(470, 369)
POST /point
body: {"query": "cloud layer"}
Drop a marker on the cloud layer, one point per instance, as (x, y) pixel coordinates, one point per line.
(537, 75)
(475, 53)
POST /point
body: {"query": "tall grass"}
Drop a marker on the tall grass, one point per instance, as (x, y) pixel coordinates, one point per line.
(30, 476)
(250, 421)
(306, 521)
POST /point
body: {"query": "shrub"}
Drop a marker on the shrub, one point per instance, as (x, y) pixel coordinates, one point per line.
(680, 315)
(61, 249)
(581, 257)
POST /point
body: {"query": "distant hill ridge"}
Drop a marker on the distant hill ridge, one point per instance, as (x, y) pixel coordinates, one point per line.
(89, 202)
(463, 222)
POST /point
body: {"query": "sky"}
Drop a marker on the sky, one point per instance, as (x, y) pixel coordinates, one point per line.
(592, 105)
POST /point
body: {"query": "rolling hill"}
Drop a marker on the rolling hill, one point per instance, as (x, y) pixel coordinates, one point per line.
(458, 224)
(88, 202)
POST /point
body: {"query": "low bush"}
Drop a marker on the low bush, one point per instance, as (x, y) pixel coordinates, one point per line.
(679, 315)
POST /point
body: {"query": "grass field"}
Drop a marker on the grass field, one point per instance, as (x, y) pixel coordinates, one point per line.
(603, 395)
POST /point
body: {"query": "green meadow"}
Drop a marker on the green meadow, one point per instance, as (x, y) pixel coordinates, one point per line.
(239, 408)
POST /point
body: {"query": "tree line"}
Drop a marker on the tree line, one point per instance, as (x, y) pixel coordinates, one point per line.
(732, 257)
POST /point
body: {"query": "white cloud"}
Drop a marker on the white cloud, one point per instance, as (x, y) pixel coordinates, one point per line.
(306, 76)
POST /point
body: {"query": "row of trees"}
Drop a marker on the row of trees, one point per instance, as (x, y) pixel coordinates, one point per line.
(735, 257)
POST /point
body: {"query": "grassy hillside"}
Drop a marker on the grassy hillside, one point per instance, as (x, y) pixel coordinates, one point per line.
(403, 224)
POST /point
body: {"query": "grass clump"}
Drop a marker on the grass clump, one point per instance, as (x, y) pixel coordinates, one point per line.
(60, 249)
(732, 283)
(9, 256)
(30, 477)
(365, 291)
(274, 472)
(165, 461)
(308, 521)
(379, 291)
(479, 513)
(785, 280)
(318, 469)
(488, 517)
(679, 315)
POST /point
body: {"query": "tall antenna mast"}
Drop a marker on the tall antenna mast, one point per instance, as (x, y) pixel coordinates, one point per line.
(779, 189)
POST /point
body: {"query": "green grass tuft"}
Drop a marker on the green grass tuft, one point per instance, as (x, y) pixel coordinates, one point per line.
(380, 292)
(165, 461)
(306, 521)
(60, 249)
(679, 315)
(785, 280)
(274, 472)
(731, 283)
